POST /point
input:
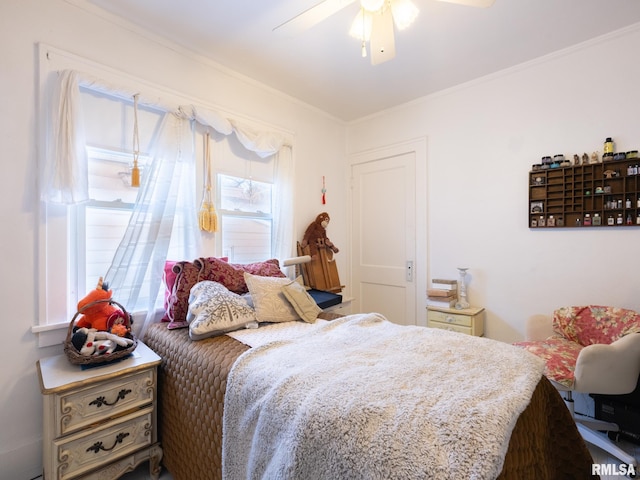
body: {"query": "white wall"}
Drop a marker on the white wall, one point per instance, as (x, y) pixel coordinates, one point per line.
(483, 138)
(319, 150)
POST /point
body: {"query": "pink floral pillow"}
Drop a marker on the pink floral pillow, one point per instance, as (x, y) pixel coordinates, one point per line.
(560, 356)
(595, 324)
(231, 275)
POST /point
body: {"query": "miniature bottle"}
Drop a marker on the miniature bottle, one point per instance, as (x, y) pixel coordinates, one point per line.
(629, 219)
(627, 204)
(619, 219)
(596, 219)
(608, 145)
(587, 220)
(551, 222)
(541, 221)
(610, 220)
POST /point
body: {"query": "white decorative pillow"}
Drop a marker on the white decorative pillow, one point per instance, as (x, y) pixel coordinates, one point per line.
(268, 300)
(214, 310)
(302, 302)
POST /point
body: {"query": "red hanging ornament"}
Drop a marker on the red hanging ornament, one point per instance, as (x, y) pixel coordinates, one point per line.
(324, 192)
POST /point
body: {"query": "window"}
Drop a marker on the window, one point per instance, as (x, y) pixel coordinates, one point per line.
(246, 219)
(100, 224)
(77, 243)
(81, 240)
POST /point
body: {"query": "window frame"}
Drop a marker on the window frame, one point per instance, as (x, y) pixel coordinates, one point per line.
(240, 214)
(56, 303)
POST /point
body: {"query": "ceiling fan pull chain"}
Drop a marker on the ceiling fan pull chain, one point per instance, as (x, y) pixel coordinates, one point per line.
(364, 37)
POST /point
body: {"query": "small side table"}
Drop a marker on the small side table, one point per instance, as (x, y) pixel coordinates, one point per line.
(100, 422)
(343, 308)
(469, 320)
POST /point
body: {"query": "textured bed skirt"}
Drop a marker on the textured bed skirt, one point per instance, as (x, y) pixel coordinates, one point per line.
(545, 443)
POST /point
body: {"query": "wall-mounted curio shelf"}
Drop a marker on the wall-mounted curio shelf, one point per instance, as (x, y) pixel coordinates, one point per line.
(603, 194)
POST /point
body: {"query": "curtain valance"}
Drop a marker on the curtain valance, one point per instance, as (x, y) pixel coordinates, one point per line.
(65, 174)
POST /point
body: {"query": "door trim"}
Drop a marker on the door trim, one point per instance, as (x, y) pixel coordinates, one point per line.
(418, 147)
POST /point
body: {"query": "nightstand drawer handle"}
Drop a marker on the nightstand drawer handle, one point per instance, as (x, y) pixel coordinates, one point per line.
(450, 319)
(96, 447)
(98, 402)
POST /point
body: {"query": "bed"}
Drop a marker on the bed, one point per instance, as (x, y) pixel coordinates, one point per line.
(193, 378)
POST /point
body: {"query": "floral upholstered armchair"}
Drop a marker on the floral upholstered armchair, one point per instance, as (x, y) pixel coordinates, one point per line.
(589, 349)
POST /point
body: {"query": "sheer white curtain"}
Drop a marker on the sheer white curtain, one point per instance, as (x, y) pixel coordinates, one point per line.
(265, 144)
(137, 267)
(65, 176)
(283, 205)
(168, 187)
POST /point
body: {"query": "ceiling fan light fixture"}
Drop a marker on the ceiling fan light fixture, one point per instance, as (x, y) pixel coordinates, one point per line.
(404, 13)
(372, 5)
(361, 26)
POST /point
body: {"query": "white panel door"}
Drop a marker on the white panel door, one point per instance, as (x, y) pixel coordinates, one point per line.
(384, 237)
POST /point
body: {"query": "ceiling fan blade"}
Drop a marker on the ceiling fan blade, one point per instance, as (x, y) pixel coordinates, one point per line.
(312, 16)
(472, 3)
(382, 41)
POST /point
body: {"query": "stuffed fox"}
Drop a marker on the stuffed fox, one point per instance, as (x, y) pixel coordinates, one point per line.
(101, 316)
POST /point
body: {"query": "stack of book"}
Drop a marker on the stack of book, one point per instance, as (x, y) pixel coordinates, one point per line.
(443, 293)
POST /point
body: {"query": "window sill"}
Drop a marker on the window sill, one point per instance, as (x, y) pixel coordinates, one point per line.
(49, 327)
(50, 334)
(56, 333)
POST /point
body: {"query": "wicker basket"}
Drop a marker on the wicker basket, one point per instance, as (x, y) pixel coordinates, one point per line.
(77, 358)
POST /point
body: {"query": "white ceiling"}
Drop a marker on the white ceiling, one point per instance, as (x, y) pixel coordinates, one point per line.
(322, 66)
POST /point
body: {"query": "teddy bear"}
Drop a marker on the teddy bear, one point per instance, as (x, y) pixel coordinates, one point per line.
(89, 341)
(317, 232)
(102, 315)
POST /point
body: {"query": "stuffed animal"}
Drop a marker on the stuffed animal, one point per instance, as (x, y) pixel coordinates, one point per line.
(89, 341)
(103, 315)
(318, 231)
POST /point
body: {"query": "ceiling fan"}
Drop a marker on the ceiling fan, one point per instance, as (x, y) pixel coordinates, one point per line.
(374, 22)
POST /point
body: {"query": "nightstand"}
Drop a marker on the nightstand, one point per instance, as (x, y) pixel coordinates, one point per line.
(342, 308)
(100, 422)
(469, 320)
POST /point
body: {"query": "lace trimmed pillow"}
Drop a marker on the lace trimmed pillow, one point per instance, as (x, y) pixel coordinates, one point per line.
(214, 310)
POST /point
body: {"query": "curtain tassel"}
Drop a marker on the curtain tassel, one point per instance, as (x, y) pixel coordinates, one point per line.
(207, 217)
(135, 174)
(135, 171)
